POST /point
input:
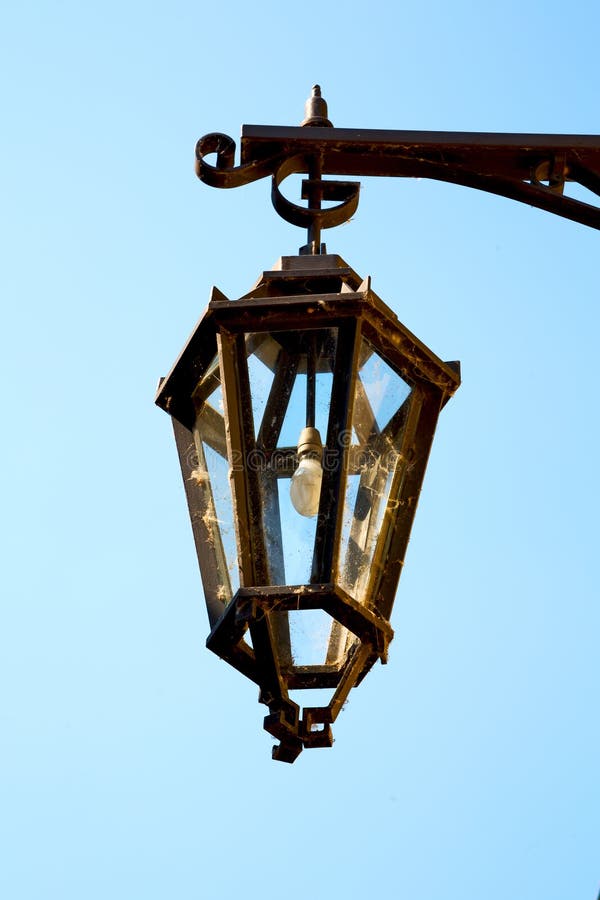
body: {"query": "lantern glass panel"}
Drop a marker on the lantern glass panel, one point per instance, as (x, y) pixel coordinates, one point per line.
(380, 412)
(260, 373)
(297, 538)
(291, 376)
(310, 634)
(317, 642)
(297, 405)
(211, 475)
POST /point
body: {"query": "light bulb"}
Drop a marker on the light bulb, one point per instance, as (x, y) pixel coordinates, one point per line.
(305, 486)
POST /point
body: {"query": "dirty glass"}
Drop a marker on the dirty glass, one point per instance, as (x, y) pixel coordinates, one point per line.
(379, 416)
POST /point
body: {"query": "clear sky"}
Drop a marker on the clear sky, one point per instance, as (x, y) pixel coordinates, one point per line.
(133, 763)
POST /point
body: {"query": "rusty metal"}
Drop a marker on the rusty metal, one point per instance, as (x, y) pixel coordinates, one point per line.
(529, 168)
(307, 296)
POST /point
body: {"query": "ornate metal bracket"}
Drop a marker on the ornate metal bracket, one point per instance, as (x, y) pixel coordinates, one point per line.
(530, 168)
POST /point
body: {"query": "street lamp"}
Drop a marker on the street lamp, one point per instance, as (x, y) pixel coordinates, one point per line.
(304, 413)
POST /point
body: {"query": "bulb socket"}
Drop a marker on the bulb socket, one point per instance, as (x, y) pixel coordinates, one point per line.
(310, 443)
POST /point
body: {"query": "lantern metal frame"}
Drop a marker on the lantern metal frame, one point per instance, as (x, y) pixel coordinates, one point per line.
(305, 292)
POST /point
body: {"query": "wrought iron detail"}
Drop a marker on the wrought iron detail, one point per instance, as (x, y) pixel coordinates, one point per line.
(315, 190)
(529, 168)
(225, 174)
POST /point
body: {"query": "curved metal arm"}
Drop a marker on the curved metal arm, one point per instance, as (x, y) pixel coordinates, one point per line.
(530, 168)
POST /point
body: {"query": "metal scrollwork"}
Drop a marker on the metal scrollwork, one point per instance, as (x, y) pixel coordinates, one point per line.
(225, 174)
(315, 190)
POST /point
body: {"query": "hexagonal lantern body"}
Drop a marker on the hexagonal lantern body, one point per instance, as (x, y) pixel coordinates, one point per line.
(303, 414)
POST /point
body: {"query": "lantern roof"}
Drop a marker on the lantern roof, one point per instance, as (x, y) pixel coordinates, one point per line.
(301, 291)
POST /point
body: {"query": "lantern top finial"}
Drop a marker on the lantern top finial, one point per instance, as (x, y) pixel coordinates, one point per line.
(315, 110)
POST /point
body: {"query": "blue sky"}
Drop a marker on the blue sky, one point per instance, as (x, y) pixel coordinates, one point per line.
(133, 761)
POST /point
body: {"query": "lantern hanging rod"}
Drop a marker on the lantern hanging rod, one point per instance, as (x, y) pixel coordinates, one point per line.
(530, 168)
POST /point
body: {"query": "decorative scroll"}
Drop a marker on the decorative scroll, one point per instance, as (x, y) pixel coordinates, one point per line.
(225, 174)
(315, 190)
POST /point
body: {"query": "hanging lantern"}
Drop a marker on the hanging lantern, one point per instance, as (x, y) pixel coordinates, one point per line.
(304, 414)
